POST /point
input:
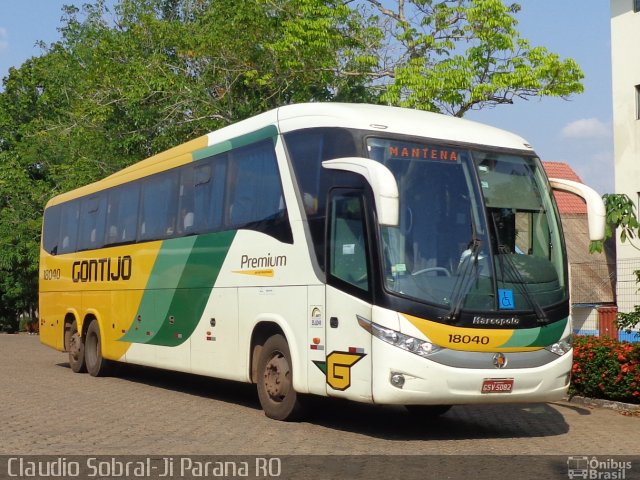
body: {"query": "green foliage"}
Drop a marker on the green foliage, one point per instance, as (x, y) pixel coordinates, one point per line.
(605, 368)
(455, 56)
(128, 81)
(627, 321)
(620, 214)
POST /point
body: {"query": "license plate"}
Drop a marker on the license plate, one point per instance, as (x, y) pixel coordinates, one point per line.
(497, 385)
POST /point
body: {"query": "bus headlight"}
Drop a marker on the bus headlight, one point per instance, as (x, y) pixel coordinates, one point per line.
(411, 344)
(562, 346)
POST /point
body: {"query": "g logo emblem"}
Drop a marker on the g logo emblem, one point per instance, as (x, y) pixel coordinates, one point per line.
(337, 368)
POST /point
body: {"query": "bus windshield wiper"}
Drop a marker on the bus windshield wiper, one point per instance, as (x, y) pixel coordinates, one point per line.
(464, 280)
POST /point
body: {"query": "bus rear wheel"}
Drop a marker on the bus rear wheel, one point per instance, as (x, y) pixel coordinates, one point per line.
(275, 381)
(74, 344)
(97, 366)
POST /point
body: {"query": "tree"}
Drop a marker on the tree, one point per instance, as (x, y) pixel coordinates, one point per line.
(621, 215)
(126, 82)
(456, 56)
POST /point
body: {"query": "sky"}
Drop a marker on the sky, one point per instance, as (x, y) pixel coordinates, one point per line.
(576, 131)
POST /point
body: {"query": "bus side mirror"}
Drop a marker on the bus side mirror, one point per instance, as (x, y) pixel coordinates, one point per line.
(382, 182)
(595, 206)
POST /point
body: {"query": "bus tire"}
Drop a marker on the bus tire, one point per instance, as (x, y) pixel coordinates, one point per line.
(427, 412)
(74, 344)
(275, 381)
(97, 366)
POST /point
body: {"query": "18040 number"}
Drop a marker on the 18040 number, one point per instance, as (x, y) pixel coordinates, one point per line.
(51, 274)
(477, 339)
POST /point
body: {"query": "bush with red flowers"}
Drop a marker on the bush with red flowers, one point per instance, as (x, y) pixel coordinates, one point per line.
(606, 368)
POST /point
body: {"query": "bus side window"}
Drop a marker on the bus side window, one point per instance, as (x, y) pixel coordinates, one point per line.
(255, 189)
(159, 206)
(202, 196)
(210, 200)
(51, 229)
(69, 227)
(186, 219)
(347, 241)
(92, 222)
(122, 214)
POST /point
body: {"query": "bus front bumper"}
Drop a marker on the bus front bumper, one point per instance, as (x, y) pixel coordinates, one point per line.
(404, 378)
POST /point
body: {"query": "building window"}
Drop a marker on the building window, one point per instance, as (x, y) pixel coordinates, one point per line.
(636, 6)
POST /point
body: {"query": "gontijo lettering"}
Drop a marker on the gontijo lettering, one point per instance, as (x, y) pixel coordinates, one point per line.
(102, 269)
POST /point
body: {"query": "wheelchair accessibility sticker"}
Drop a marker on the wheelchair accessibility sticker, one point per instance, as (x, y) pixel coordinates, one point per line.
(506, 299)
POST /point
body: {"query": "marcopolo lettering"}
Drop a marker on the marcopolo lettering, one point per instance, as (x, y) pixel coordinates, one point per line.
(102, 269)
(502, 322)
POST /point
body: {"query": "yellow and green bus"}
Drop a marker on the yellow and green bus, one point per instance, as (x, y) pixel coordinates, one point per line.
(378, 254)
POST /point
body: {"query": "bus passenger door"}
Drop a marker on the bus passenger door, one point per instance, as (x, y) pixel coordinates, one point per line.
(348, 346)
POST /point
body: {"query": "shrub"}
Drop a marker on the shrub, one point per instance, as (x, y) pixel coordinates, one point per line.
(606, 368)
(8, 324)
(29, 325)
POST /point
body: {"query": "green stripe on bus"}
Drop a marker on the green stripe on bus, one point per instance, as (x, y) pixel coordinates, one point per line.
(167, 270)
(264, 133)
(550, 334)
(194, 288)
(537, 337)
(178, 289)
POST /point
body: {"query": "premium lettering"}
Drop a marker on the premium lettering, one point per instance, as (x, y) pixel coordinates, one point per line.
(102, 269)
(263, 262)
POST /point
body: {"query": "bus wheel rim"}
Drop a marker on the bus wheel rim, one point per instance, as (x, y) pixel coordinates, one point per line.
(74, 346)
(277, 377)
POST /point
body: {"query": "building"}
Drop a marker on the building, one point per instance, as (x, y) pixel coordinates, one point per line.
(625, 67)
(591, 276)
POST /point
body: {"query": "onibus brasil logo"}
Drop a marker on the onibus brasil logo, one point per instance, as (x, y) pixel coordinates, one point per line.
(594, 468)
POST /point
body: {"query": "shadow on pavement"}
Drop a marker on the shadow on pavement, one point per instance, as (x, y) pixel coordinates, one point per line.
(386, 422)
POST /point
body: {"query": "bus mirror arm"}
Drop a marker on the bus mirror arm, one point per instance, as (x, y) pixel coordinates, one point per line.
(595, 206)
(382, 182)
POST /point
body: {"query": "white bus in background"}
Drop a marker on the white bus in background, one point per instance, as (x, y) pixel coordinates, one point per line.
(378, 254)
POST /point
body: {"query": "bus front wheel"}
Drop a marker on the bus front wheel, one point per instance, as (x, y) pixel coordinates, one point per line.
(74, 344)
(275, 381)
(97, 366)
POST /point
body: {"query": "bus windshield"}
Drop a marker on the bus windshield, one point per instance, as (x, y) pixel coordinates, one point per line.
(477, 229)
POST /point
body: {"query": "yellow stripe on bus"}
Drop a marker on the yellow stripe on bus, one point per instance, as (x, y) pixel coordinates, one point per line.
(466, 339)
(268, 272)
(90, 279)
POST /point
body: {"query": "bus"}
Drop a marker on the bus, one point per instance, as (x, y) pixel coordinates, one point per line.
(372, 253)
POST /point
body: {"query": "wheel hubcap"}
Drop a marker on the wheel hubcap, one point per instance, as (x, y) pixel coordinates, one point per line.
(277, 377)
(74, 346)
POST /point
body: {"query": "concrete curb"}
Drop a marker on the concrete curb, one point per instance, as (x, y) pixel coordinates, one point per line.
(610, 404)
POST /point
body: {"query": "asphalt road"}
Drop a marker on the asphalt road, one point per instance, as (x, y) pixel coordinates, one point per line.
(46, 409)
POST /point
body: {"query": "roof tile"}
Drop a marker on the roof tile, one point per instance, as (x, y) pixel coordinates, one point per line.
(567, 202)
